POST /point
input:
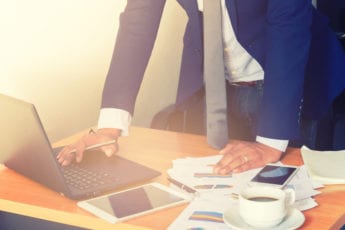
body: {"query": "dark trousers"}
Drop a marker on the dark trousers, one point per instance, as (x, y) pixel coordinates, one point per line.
(243, 106)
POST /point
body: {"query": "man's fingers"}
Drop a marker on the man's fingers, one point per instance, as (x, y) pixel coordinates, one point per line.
(233, 157)
(241, 156)
(92, 140)
(235, 163)
(66, 159)
(71, 153)
(230, 161)
(80, 148)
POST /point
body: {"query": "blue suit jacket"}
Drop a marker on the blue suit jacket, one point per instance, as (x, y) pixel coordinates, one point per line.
(303, 62)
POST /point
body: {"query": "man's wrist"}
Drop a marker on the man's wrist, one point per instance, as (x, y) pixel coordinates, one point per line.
(111, 132)
(278, 144)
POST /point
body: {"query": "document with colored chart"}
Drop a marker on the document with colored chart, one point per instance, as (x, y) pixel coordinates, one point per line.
(214, 194)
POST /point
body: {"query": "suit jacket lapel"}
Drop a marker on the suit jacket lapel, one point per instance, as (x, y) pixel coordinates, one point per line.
(231, 6)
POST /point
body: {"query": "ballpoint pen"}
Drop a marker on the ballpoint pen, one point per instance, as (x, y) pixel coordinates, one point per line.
(182, 186)
(94, 146)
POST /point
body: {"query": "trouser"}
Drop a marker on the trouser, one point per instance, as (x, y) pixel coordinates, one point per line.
(243, 105)
(243, 112)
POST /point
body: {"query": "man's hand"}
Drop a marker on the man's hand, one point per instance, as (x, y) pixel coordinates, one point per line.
(240, 156)
(76, 151)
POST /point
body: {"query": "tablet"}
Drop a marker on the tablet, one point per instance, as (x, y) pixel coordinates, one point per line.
(133, 202)
(274, 175)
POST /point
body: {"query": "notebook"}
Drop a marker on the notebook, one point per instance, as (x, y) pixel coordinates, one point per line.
(326, 167)
(25, 148)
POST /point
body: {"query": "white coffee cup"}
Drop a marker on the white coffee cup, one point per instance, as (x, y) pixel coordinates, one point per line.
(264, 207)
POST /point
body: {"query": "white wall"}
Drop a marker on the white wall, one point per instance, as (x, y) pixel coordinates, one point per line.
(161, 77)
(56, 54)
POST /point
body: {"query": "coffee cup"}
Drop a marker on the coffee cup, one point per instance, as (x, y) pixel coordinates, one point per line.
(264, 207)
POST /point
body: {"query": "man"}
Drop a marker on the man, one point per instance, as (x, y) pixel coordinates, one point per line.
(282, 52)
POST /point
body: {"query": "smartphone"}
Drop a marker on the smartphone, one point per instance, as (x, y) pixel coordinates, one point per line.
(274, 175)
(134, 202)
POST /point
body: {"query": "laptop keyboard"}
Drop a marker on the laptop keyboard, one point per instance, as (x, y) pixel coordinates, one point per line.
(82, 179)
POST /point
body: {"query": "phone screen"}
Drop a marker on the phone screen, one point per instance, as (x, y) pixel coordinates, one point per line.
(135, 201)
(276, 175)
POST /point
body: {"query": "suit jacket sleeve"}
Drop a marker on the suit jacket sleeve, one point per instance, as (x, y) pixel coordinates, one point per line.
(287, 40)
(135, 39)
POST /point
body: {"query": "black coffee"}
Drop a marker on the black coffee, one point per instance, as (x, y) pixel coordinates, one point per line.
(262, 199)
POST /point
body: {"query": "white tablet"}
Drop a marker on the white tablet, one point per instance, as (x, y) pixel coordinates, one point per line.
(274, 175)
(133, 202)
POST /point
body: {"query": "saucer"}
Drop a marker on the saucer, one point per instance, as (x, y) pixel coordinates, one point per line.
(293, 220)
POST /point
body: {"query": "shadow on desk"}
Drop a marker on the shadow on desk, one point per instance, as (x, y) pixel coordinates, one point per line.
(9, 221)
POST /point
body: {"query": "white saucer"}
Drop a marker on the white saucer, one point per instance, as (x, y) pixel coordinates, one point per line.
(293, 220)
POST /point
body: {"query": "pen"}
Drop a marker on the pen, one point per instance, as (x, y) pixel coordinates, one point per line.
(212, 175)
(182, 186)
(90, 147)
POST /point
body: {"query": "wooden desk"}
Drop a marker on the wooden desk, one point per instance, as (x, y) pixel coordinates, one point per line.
(155, 149)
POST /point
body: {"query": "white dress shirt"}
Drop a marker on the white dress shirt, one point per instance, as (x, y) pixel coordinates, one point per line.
(240, 66)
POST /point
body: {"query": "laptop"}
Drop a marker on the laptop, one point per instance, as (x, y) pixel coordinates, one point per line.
(25, 148)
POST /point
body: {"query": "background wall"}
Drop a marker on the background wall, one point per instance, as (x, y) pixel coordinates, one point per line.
(56, 55)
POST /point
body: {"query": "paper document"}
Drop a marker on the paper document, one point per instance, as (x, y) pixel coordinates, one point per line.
(204, 214)
(326, 167)
(197, 173)
(213, 194)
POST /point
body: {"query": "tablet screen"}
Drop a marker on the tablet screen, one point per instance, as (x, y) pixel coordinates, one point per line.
(134, 201)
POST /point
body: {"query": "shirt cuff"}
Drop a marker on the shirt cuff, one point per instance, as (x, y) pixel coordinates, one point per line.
(274, 143)
(200, 4)
(114, 118)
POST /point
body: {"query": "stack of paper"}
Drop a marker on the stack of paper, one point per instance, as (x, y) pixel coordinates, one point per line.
(197, 173)
(326, 167)
(215, 194)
